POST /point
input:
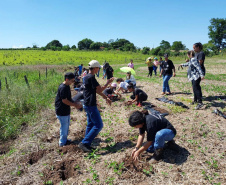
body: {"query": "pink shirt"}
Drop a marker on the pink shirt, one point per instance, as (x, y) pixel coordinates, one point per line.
(131, 65)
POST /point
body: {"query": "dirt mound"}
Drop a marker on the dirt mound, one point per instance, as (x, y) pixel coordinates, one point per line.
(70, 149)
(62, 170)
(35, 156)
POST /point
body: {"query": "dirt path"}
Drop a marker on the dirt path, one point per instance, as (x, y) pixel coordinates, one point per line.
(36, 158)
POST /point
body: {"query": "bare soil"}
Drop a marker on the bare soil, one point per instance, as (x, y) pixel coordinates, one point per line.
(34, 157)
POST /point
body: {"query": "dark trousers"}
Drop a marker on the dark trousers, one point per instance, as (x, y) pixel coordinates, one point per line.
(141, 97)
(197, 90)
(150, 70)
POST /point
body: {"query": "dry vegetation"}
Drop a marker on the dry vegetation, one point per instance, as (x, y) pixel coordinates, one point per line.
(35, 158)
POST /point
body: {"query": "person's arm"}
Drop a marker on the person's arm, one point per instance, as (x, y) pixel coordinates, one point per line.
(139, 143)
(69, 103)
(103, 95)
(142, 149)
(132, 101)
(100, 89)
(118, 94)
(185, 64)
(174, 70)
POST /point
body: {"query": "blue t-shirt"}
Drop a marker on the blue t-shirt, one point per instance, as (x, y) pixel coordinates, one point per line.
(80, 69)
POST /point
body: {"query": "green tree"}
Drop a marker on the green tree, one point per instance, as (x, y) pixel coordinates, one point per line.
(164, 45)
(177, 46)
(155, 51)
(73, 47)
(95, 45)
(84, 44)
(217, 32)
(66, 48)
(54, 43)
(145, 50)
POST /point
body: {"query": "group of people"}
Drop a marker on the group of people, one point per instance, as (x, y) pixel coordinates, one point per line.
(158, 129)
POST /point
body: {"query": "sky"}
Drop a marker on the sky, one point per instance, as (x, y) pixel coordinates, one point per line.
(24, 23)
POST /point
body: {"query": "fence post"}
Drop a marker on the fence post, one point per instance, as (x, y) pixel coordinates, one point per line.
(46, 72)
(7, 86)
(39, 75)
(25, 77)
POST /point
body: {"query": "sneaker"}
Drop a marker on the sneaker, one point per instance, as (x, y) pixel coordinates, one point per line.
(139, 105)
(199, 106)
(162, 93)
(168, 93)
(85, 147)
(193, 103)
(68, 142)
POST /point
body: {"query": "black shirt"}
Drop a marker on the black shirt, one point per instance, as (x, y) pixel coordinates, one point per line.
(167, 67)
(89, 92)
(108, 91)
(201, 56)
(138, 91)
(154, 124)
(109, 72)
(64, 92)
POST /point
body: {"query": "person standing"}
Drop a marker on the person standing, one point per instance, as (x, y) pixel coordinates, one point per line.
(109, 71)
(131, 64)
(168, 70)
(63, 102)
(150, 66)
(155, 66)
(94, 121)
(158, 129)
(195, 75)
(80, 69)
(199, 55)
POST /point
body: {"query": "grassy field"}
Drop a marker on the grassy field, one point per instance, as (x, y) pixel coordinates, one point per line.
(30, 131)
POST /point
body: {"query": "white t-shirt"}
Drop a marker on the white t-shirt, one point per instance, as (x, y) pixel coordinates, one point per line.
(124, 85)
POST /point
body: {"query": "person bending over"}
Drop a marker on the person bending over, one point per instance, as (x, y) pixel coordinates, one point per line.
(158, 131)
(138, 95)
(111, 90)
(122, 85)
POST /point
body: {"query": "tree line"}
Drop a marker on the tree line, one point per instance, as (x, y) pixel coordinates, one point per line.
(217, 42)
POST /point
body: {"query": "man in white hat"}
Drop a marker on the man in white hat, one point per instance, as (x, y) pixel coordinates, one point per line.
(94, 121)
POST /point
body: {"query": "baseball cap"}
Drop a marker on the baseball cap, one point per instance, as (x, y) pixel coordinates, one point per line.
(156, 58)
(69, 75)
(149, 58)
(114, 85)
(94, 63)
(166, 55)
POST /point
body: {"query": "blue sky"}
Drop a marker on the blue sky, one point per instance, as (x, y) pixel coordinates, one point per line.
(142, 22)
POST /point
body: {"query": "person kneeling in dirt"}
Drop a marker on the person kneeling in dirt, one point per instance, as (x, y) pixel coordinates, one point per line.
(94, 121)
(110, 92)
(138, 95)
(158, 129)
(63, 102)
(122, 85)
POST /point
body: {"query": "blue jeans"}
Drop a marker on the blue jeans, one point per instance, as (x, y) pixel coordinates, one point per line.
(129, 81)
(155, 70)
(160, 138)
(166, 83)
(98, 73)
(104, 71)
(94, 124)
(64, 127)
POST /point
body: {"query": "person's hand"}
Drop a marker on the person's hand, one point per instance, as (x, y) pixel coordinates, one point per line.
(174, 74)
(133, 152)
(160, 75)
(202, 78)
(103, 77)
(111, 79)
(108, 101)
(129, 102)
(187, 60)
(136, 155)
(78, 105)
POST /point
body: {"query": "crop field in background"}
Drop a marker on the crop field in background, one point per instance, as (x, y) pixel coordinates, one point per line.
(29, 130)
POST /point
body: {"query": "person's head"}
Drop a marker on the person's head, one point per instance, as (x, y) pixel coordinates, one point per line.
(137, 119)
(128, 74)
(191, 53)
(131, 61)
(83, 69)
(113, 85)
(119, 80)
(155, 58)
(94, 66)
(166, 56)
(149, 58)
(106, 65)
(160, 58)
(197, 47)
(69, 78)
(130, 87)
(81, 64)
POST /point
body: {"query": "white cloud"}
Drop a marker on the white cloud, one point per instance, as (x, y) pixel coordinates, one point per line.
(20, 46)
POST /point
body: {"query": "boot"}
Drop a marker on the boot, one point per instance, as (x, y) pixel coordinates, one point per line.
(173, 146)
(157, 156)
